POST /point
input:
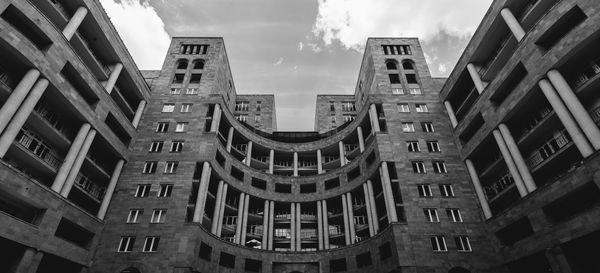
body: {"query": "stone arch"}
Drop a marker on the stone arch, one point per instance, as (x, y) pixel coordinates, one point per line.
(181, 64)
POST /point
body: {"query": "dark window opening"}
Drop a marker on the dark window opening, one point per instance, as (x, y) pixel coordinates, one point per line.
(74, 233)
(27, 28)
(363, 260)
(237, 174)
(573, 203)
(182, 64)
(515, 232)
(391, 65)
(370, 159)
(20, 209)
(337, 265)
(227, 260)
(411, 79)
(394, 78)
(561, 28)
(259, 183)
(220, 159)
(332, 183)
(195, 78)
(252, 265)
(512, 81)
(178, 78)
(80, 85)
(471, 129)
(354, 173)
(118, 129)
(199, 64)
(407, 66)
(308, 188)
(385, 251)
(283, 188)
(205, 252)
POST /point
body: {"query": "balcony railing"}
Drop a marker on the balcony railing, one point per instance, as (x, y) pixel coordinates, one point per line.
(39, 148)
(89, 186)
(350, 147)
(547, 149)
(494, 55)
(535, 118)
(498, 186)
(306, 164)
(283, 216)
(240, 147)
(584, 75)
(595, 114)
(308, 216)
(308, 234)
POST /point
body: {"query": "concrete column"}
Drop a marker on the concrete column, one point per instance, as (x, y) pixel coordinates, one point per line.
(517, 157)
(292, 226)
(295, 163)
(319, 162)
(202, 191)
(388, 193)
(513, 24)
(581, 142)
(74, 22)
(557, 259)
(10, 107)
(512, 168)
(351, 218)
(373, 206)
(298, 227)
(487, 212)
(229, 139)
(325, 225)
(476, 78)
(222, 210)
(87, 143)
(65, 167)
(110, 189)
(265, 235)
(249, 154)
(245, 219)
(219, 198)
(374, 118)
(361, 139)
(138, 114)
(20, 117)
(369, 212)
(239, 219)
(346, 222)
(451, 114)
(30, 261)
(112, 79)
(271, 160)
(320, 224)
(342, 156)
(271, 220)
(214, 126)
(582, 117)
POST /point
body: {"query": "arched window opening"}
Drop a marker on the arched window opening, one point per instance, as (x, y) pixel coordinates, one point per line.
(131, 270)
(408, 66)
(182, 64)
(198, 64)
(391, 65)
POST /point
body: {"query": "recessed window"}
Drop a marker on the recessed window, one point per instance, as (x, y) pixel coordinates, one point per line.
(227, 260)
(407, 66)
(257, 118)
(454, 215)
(391, 65)
(178, 78)
(168, 107)
(186, 108)
(175, 91)
(158, 216)
(415, 91)
(431, 215)
(191, 91)
(418, 167)
(176, 146)
(165, 190)
(332, 183)
(259, 183)
(156, 146)
(205, 251)
(283, 188)
(198, 64)
(403, 108)
(413, 146)
(385, 251)
(421, 108)
(308, 188)
(142, 190)
(162, 127)
(180, 127)
(134, 215)
(182, 64)
(151, 244)
(149, 167)
(439, 167)
(462, 243)
(427, 127)
(411, 79)
(349, 118)
(242, 118)
(171, 167)
(433, 147)
(363, 260)
(397, 91)
(241, 106)
(408, 127)
(126, 244)
(252, 265)
(195, 78)
(337, 265)
(332, 118)
(446, 190)
(395, 78)
(424, 190)
(438, 243)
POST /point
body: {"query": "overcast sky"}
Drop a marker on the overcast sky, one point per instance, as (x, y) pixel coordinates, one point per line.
(296, 49)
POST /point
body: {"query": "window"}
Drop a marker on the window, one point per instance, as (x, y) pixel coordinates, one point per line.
(257, 118)
(182, 64)
(431, 215)
(385, 251)
(337, 265)
(332, 117)
(433, 147)
(415, 91)
(205, 251)
(126, 244)
(348, 106)
(427, 127)
(363, 260)
(162, 127)
(396, 49)
(150, 167)
(168, 107)
(158, 216)
(454, 215)
(446, 190)
(156, 146)
(418, 167)
(413, 146)
(142, 190)
(178, 78)
(195, 78)
(438, 243)
(175, 91)
(191, 91)
(198, 64)
(397, 91)
(407, 66)
(227, 260)
(193, 49)
(395, 78)
(186, 108)
(408, 127)
(171, 166)
(258, 104)
(411, 79)
(134, 215)
(180, 127)
(331, 106)
(439, 167)
(424, 190)
(151, 244)
(349, 118)
(391, 65)
(242, 118)
(241, 106)
(165, 190)
(176, 146)
(421, 108)
(403, 108)
(462, 243)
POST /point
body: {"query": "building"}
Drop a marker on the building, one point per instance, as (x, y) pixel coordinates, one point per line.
(525, 109)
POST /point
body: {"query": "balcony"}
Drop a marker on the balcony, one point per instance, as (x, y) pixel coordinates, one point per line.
(549, 148)
(533, 120)
(595, 114)
(467, 104)
(583, 76)
(38, 148)
(498, 187)
(90, 187)
(308, 234)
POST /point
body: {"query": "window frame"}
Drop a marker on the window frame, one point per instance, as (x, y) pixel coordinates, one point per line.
(439, 166)
(180, 127)
(150, 167)
(129, 242)
(142, 190)
(438, 245)
(447, 190)
(168, 108)
(463, 244)
(413, 146)
(431, 214)
(186, 108)
(433, 146)
(408, 127)
(134, 216)
(424, 190)
(454, 215)
(153, 247)
(162, 127)
(176, 146)
(171, 167)
(403, 108)
(158, 216)
(156, 146)
(165, 190)
(418, 167)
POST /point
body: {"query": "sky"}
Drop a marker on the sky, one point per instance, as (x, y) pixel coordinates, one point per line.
(296, 49)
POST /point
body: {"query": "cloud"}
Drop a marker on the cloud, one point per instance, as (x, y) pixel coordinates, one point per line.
(300, 46)
(141, 29)
(278, 62)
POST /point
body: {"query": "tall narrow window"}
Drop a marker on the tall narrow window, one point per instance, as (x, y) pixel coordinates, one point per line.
(433, 147)
(186, 108)
(165, 190)
(462, 243)
(413, 146)
(431, 215)
(176, 146)
(394, 78)
(454, 215)
(438, 243)
(162, 127)
(439, 167)
(403, 108)
(142, 190)
(180, 127)
(126, 244)
(134, 216)
(446, 190)
(427, 127)
(158, 216)
(156, 146)
(151, 244)
(171, 166)
(424, 190)
(149, 167)
(418, 167)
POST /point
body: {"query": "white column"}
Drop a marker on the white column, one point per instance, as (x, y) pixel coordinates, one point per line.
(388, 193)
(219, 197)
(581, 142)
(229, 139)
(222, 210)
(361, 139)
(292, 226)
(11, 105)
(295, 163)
(298, 228)
(513, 24)
(110, 189)
(320, 224)
(487, 212)
(245, 219)
(249, 154)
(112, 79)
(451, 114)
(214, 126)
(20, 117)
(590, 129)
(476, 78)
(271, 220)
(374, 118)
(325, 224)
(341, 151)
(138, 114)
(346, 222)
(373, 206)
(239, 219)
(202, 191)
(368, 207)
(265, 235)
(271, 160)
(319, 162)
(517, 157)
(512, 168)
(87, 143)
(65, 167)
(74, 22)
(351, 218)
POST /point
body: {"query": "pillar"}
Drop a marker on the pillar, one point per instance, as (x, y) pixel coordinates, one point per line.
(325, 225)
(476, 78)
(112, 78)
(271, 221)
(10, 107)
(298, 227)
(487, 212)
(138, 114)
(374, 118)
(265, 235)
(451, 114)
(245, 219)
(320, 224)
(30, 261)
(517, 157)
(214, 126)
(319, 162)
(110, 189)
(292, 226)
(74, 22)
(65, 167)
(219, 198)
(351, 218)
(388, 193)
(202, 190)
(222, 210)
(346, 222)
(271, 160)
(513, 24)
(373, 206)
(512, 168)
(581, 142)
(361, 139)
(582, 117)
(20, 117)
(87, 143)
(342, 156)
(239, 219)
(229, 139)
(369, 212)
(295, 163)
(249, 154)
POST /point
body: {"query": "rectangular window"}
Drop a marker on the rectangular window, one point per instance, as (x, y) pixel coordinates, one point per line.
(186, 108)
(394, 78)
(134, 215)
(195, 78)
(241, 106)
(462, 243)
(408, 127)
(180, 127)
(156, 146)
(242, 118)
(151, 244)
(397, 91)
(168, 107)
(165, 190)
(438, 243)
(424, 190)
(403, 108)
(349, 118)
(413, 146)
(257, 118)
(421, 108)
(415, 91)
(332, 117)
(258, 104)
(427, 127)
(158, 216)
(412, 79)
(171, 166)
(433, 147)
(142, 190)
(431, 215)
(175, 91)
(126, 244)
(454, 215)
(178, 78)
(191, 91)
(162, 127)
(348, 106)
(176, 146)
(331, 106)
(150, 167)
(418, 167)
(439, 167)
(446, 190)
